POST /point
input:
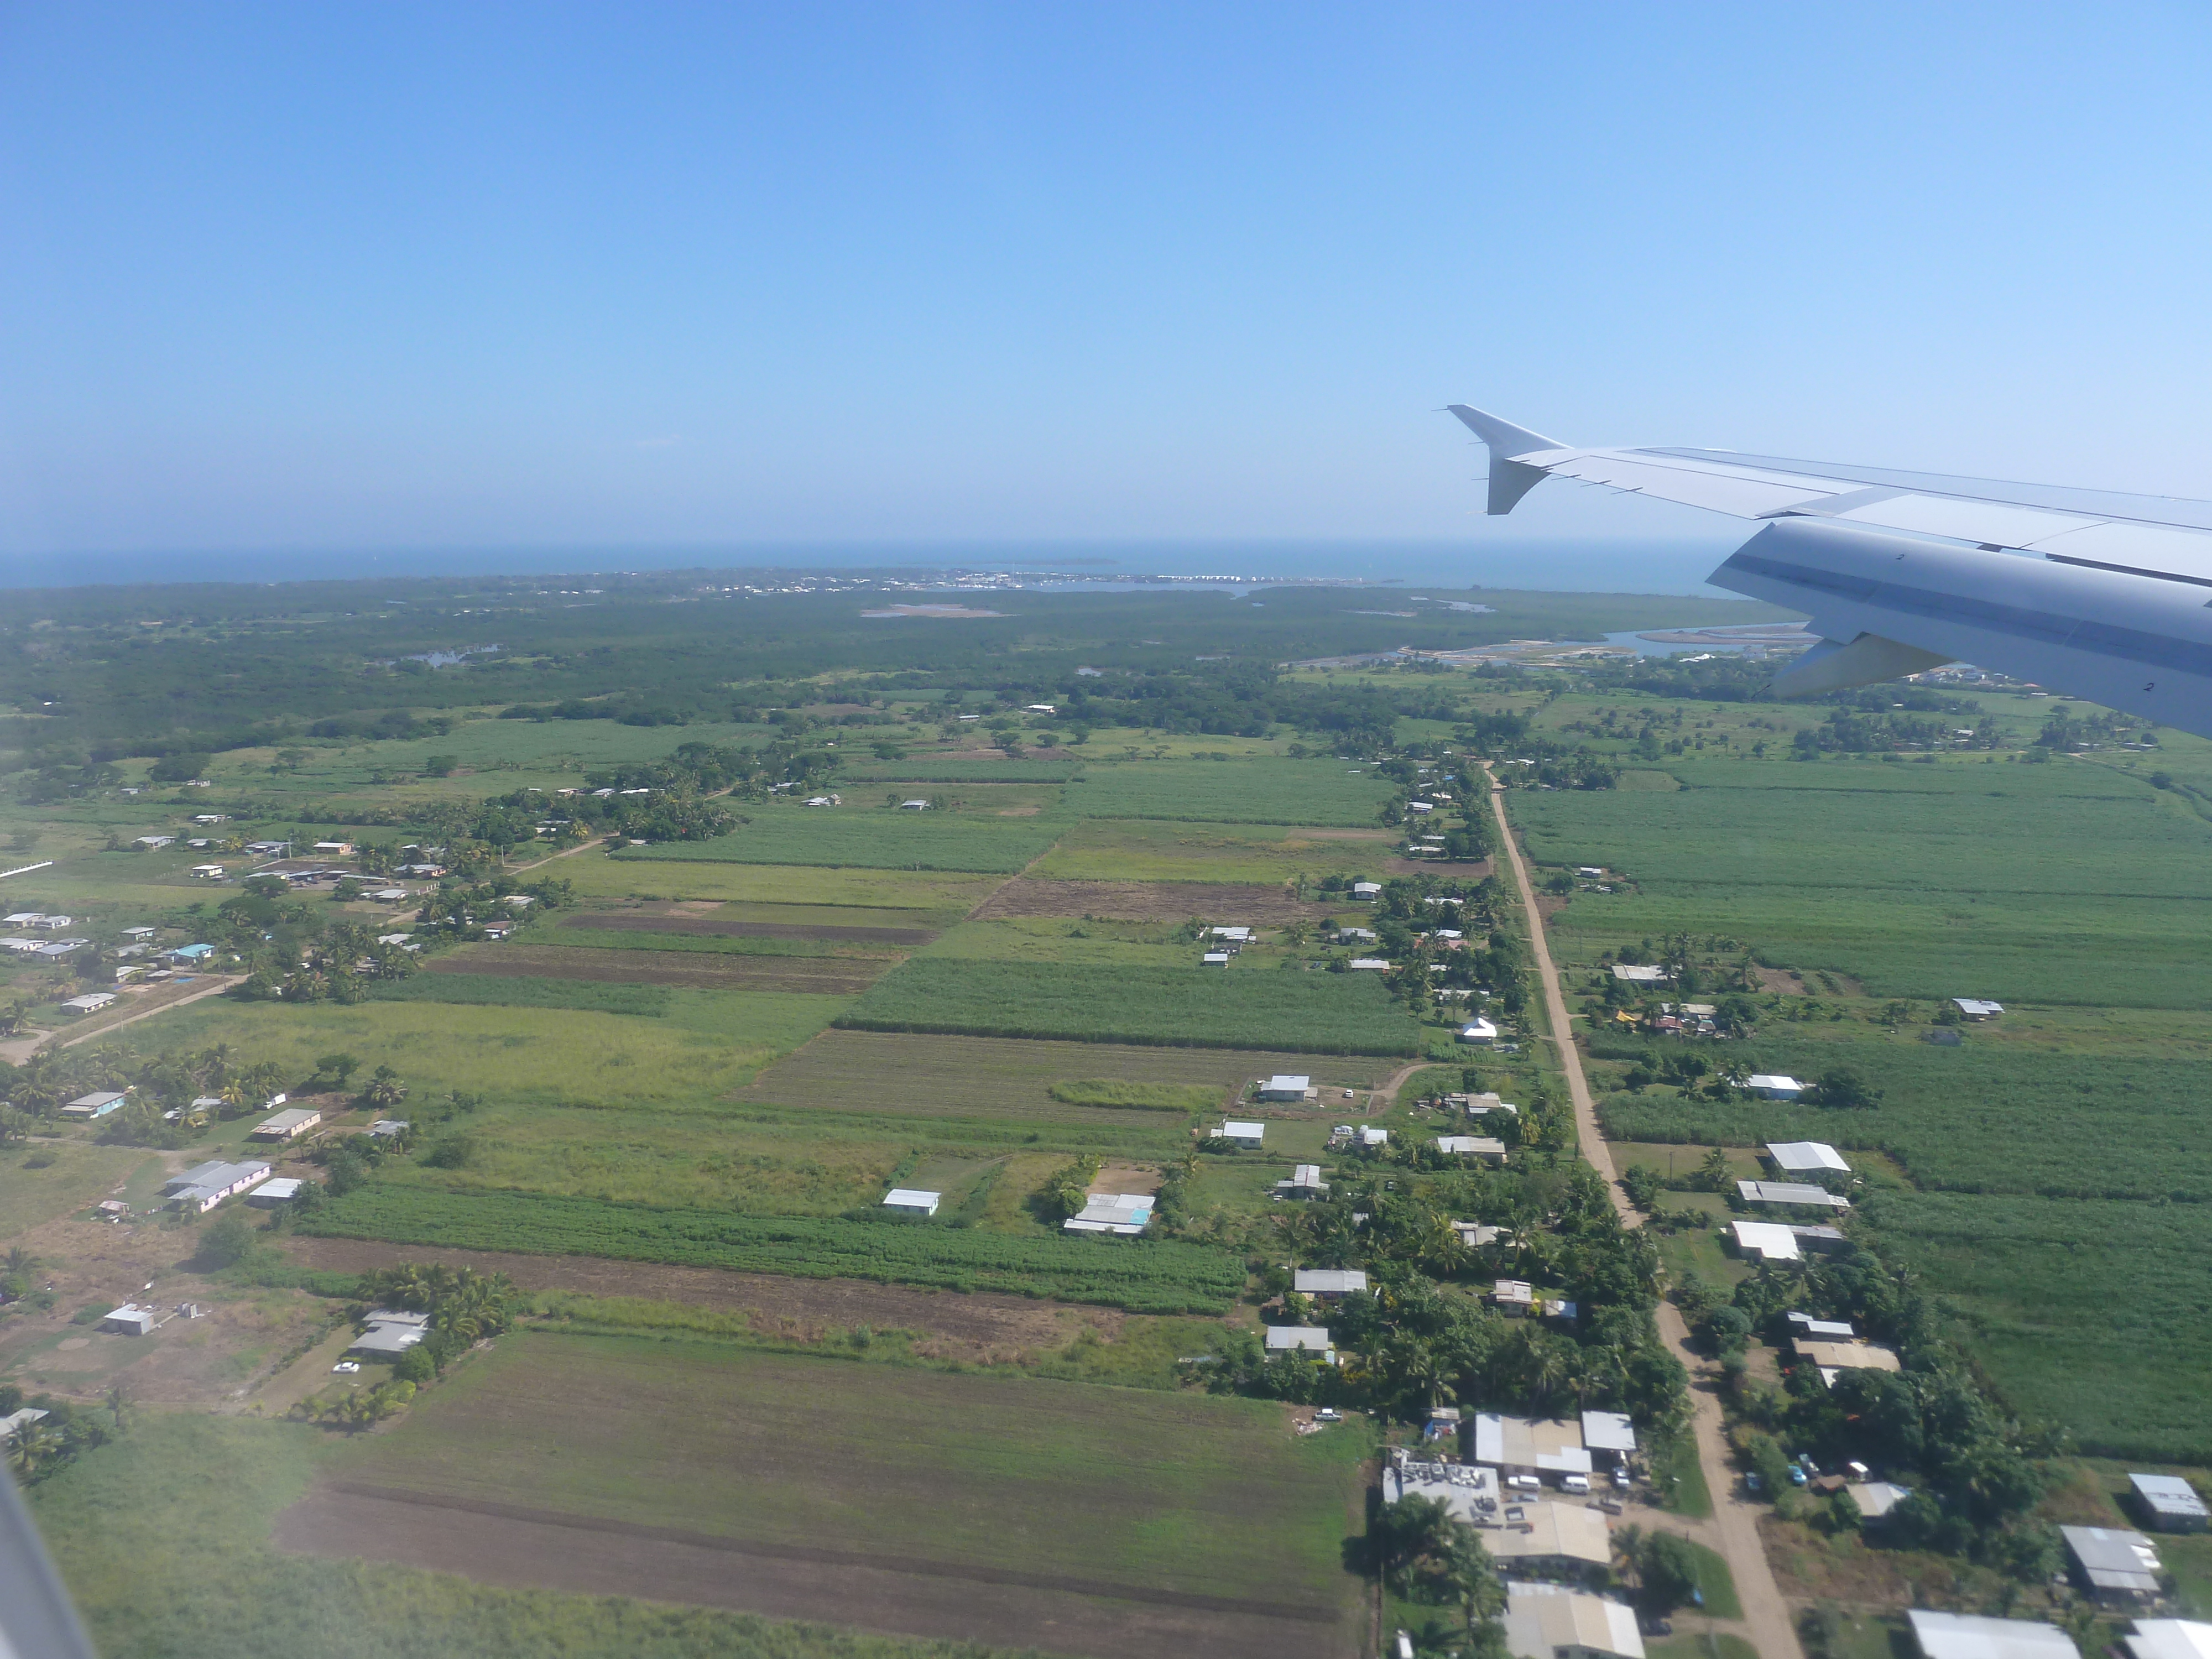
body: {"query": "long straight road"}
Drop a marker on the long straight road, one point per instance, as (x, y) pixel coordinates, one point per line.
(1734, 1530)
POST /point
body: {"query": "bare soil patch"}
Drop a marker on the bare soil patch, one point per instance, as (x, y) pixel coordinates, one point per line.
(715, 928)
(1246, 904)
(1780, 981)
(1475, 871)
(978, 1326)
(825, 976)
(506, 1544)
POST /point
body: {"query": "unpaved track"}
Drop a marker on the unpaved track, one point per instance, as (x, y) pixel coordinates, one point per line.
(1734, 1530)
(20, 1052)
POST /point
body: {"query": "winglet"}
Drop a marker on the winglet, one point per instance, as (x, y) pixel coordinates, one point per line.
(1509, 479)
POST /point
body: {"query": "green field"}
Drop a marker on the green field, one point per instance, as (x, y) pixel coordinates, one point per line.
(962, 769)
(1117, 849)
(164, 1563)
(1322, 1013)
(2092, 1315)
(1146, 1275)
(706, 1043)
(871, 838)
(937, 894)
(1270, 791)
(1172, 1492)
(2060, 883)
(647, 1001)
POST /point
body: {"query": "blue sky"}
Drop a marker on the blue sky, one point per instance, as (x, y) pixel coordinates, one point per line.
(405, 277)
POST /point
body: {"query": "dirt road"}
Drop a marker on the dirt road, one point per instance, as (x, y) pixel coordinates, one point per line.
(1734, 1530)
(19, 1051)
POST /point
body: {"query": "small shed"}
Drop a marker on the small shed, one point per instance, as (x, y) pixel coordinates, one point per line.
(1774, 1085)
(274, 1194)
(1369, 965)
(1875, 1499)
(1977, 1008)
(910, 1200)
(1609, 1433)
(914, 806)
(1214, 959)
(1480, 1032)
(390, 1128)
(1638, 974)
(129, 1319)
(1244, 1134)
(2169, 1502)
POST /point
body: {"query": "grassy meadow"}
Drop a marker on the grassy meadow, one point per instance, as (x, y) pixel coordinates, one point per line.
(1270, 791)
(867, 837)
(1118, 849)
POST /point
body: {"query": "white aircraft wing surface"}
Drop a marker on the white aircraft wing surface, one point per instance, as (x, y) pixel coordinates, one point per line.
(2092, 591)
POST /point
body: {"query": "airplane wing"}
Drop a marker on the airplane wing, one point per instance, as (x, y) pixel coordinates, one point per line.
(2093, 592)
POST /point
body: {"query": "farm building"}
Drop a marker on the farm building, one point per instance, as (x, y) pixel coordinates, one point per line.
(90, 1003)
(1488, 1148)
(2169, 1638)
(1790, 1192)
(274, 1194)
(1550, 1621)
(910, 1200)
(1635, 974)
(1300, 1339)
(99, 1104)
(1305, 1182)
(1480, 1032)
(287, 1125)
(914, 806)
(1977, 1008)
(203, 1186)
(1289, 1086)
(1968, 1636)
(1369, 965)
(1327, 1281)
(1609, 1437)
(1521, 1445)
(1369, 1135)
(1241, 1133)
(1214, 959)
(1805, 1157)
(1122, 1215)
(1774, 1085)
(2114, 1564)
(2170, 1502)
(391, 1333)
(129, 1319)
(390, 1128)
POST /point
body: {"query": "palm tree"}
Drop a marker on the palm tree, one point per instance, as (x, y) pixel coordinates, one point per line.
(32, 1448)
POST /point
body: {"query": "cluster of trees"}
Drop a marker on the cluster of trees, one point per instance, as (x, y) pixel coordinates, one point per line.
(44, 1448)
(1415, 1546)
(1931, 1425)
(1409, 1345)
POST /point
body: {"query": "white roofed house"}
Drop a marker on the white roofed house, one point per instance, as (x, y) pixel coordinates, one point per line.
(203, 1186)
(1775, 1085)
(1286, 1086)
(1300, 1339)
(1787, 1194)
(1242, 1132)
(2117, 1566)
(99, 1104)
(1636, 973)
(1488, 1148)
(2171, 1504)
(391, 1333)
(287, 1125)
(1480, 1032)
(1977, 1008)
(1968, 1636)
(1327, 1281)
(1805, 1157)
(2161, 1638)
(1551, 1621)
(1305, 1181)
(1117, 1215)
(1521, 1445)
(90, 1003)
(911, 1201)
